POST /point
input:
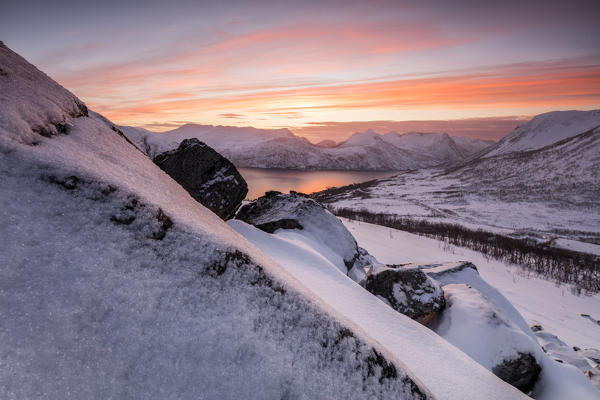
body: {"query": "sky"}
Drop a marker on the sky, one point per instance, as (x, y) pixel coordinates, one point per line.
(325, 69)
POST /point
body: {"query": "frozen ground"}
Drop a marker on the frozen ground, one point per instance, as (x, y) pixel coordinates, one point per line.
(539, 301)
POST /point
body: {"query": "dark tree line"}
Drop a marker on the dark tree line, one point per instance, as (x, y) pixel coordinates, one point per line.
(582, 270)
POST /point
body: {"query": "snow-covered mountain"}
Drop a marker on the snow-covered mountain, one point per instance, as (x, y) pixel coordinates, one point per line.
(173, 303)
(263, 148)
(546, 129)
(544, 177)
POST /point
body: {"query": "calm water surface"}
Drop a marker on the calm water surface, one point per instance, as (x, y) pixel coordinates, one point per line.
(284, 180)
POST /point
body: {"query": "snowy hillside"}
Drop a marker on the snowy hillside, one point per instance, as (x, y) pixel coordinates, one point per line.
(555, 314)
(260, 148)
(550, 193)
(546, 129)
(116, 283)
(495, 330)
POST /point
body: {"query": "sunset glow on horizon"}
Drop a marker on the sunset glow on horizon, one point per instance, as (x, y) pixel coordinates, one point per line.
(322, 69)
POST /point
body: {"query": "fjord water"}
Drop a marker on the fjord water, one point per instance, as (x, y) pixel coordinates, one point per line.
(283, 180)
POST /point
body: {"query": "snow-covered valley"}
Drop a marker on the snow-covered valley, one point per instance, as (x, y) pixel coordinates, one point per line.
(523, 186)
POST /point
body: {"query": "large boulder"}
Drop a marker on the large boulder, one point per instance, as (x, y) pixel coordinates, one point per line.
(483, 330)
(207, 176)
(276, 211)
(407, 290)
(521, 371)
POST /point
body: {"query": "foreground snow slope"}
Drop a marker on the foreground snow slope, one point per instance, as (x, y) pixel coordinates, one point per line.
(539, 301)
(115, 283)
(443, 369)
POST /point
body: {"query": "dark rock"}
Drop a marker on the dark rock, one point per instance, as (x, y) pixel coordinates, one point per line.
(408, 290)
(207, 176)
(275, 211)
(536, 328)
(451, 269)
(521, 372)
(164, 224)
(69, 182)
(285, 223)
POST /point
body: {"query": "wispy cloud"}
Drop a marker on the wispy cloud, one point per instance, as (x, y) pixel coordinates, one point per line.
(279, 63)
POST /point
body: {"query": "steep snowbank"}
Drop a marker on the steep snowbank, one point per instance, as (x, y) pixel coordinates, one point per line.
(444, 370)
(539, 302)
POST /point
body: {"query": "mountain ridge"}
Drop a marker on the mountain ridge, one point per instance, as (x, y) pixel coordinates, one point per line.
(264, 148)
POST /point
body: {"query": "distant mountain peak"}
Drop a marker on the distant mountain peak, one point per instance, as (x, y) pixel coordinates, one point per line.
(546, 129)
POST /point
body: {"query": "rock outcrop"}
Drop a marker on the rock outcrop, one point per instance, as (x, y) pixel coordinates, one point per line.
(276, 210)
(407, 290)
(521, 372)
(207, 176)
(483, 327)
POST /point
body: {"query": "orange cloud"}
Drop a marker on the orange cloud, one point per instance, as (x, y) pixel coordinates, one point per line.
(513, 87)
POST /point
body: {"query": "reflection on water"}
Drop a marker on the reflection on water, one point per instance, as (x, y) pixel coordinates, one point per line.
(284, 180)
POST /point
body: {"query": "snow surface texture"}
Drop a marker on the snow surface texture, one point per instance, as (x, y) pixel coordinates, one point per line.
(484, 324)
(115, 283)
(443, 369)
(549, 194)
(280, 148)
(587, 360)
(32, 104)
(326, 232)
(488, 341)
(96, 309)
(541, 302)
(407, 290)
(469, 315)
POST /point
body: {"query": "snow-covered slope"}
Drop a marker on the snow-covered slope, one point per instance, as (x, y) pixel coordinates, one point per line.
(260, 148)
(115, 283)
(539, 302)
(551, 192)
(486, 337)
(439, 145)
(546, 129)
(421, 350)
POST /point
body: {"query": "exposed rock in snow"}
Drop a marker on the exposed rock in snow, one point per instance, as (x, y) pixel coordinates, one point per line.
(275, 211)
(586, 360)
(522, 372)
(480, 321)
(31, 104)
(481, 329)
(207, 176)
(407, 290)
